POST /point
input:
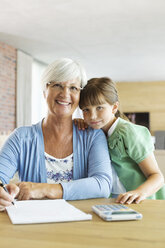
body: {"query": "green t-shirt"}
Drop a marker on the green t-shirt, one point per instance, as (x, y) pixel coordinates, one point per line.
(129, 144)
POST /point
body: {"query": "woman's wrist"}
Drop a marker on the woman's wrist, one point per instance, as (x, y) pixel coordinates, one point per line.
(54, 191)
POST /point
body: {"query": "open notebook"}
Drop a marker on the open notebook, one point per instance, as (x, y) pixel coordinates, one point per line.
(44, 211)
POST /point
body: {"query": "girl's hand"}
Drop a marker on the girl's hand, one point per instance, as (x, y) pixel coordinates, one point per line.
(80, 123)
(29, 190)
(7, 199)
(129, 197)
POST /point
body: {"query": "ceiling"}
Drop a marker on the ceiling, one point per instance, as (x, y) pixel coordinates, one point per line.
(122, 39)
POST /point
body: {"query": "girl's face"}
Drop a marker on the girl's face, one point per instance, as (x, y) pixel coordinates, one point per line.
(100, 116)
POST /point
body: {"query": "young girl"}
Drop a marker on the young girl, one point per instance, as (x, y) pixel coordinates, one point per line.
(130, 146)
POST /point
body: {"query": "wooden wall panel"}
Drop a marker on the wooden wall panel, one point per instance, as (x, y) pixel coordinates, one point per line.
(144, 97)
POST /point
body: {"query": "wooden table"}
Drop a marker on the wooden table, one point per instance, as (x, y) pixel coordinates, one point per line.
(146, 233)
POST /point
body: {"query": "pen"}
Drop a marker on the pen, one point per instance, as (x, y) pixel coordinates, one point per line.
(3, 186)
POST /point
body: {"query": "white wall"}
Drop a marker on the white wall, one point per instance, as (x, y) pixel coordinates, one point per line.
(38, 102)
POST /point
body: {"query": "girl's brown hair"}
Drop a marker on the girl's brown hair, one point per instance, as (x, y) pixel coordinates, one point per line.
(98, 91)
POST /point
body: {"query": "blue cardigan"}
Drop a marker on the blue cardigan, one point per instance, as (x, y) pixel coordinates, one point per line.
(92, 174)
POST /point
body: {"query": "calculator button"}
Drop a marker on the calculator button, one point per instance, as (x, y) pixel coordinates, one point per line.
(124, 207)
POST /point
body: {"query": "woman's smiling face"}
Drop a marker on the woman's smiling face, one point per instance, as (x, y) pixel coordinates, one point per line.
(62, 98)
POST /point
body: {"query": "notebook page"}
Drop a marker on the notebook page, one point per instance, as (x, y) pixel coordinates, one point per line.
(44, 211)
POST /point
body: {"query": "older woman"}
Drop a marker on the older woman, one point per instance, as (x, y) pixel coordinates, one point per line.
(53, 158)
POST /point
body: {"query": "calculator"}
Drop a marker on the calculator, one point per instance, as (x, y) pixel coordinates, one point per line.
(116, 212)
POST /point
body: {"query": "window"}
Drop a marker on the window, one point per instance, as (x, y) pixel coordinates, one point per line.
(38, 102)
(140, 118)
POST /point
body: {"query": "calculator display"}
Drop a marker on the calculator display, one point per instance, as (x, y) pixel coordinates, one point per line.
(126, 212)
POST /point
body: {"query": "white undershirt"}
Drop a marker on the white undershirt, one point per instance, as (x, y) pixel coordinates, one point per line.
(59, 170)
(118, 187)
(112, 128)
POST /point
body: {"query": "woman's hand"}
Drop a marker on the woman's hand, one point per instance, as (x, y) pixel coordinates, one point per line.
(129, 197)
(6, 199)
(29, 190)
(80, 123)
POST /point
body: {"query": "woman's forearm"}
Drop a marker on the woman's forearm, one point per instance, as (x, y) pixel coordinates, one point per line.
(30, 190)
(86, 188)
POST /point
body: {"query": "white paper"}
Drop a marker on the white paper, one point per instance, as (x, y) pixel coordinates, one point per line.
(44, 211)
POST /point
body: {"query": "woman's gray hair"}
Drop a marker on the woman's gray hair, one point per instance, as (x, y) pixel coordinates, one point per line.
(62, 70)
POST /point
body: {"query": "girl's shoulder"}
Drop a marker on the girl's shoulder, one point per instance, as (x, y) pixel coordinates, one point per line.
(129, 139)
(130, 134)
(127, 128)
